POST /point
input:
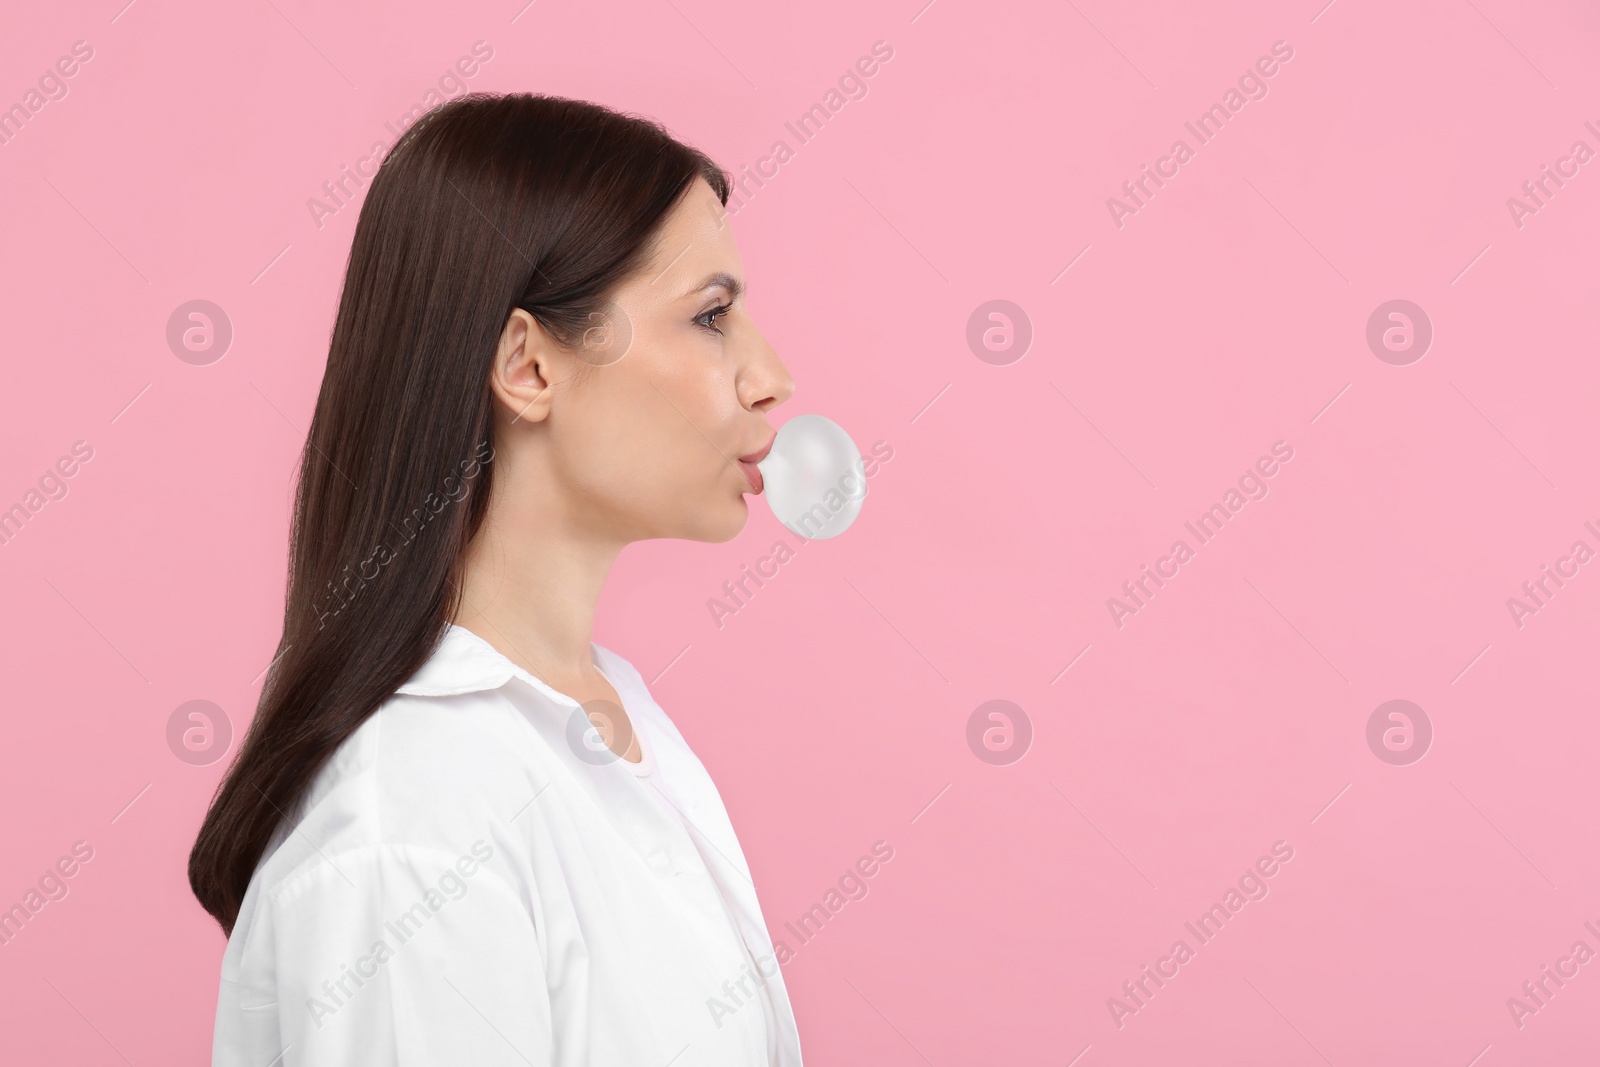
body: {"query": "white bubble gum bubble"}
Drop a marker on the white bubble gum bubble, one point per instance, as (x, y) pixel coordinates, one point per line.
(813, 479)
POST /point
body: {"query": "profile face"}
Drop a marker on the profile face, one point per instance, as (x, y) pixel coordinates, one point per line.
(676, 387)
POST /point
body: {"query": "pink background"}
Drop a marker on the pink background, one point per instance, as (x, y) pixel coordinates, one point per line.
(1224, 316)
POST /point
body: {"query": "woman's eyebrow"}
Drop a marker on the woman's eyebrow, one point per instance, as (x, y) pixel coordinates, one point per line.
(723, 279)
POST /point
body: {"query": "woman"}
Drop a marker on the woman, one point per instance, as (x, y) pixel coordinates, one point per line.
(422, 854)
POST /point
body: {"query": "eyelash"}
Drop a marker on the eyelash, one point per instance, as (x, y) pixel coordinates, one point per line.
(716, 313)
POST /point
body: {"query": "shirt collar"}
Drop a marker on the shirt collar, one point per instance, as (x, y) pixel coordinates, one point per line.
(463, 662)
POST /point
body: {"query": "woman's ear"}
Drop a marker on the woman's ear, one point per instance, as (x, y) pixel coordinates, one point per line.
(522, 372)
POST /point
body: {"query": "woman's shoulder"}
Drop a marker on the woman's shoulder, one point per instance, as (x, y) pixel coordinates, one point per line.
(421, 774)
(457, 750)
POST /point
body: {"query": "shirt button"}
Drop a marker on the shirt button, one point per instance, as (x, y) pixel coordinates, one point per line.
(660, 860)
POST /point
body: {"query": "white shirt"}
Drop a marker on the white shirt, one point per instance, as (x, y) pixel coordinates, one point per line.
(474, 879)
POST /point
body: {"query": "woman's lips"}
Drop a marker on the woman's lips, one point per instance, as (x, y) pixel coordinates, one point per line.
(752, 474)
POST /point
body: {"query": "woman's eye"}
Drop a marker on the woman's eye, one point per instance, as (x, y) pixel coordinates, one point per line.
(709, 318)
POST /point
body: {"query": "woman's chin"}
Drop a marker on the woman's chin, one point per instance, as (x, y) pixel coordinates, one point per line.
(721, 523)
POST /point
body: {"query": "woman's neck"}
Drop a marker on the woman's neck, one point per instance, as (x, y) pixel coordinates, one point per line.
(530, 588)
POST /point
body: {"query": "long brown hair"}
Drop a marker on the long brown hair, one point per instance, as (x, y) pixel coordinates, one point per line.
(487, 203)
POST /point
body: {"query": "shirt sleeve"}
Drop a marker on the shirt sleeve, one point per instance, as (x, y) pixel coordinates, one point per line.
(404, 956)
